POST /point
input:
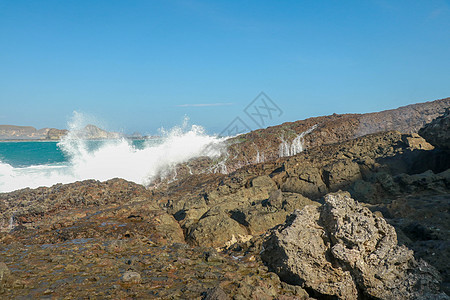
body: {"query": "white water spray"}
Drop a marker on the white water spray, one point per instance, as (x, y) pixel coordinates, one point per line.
(116, 158)
(296, 146)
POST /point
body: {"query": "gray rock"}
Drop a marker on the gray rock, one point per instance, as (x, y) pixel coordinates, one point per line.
(216, 230)
(5, 273)
(437, 132)
(276, 199)
(344, 250)
(339, 173)
(216, 293)
(131, 277)
(264, 182)
(297, 253)
(306, 181)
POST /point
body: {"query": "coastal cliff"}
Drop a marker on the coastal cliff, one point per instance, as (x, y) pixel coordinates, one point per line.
(12, 132)
(359, 216)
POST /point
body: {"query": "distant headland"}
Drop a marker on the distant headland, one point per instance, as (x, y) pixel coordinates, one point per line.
(29, 133)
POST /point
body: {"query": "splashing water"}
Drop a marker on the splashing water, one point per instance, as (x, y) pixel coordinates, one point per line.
(115, 158)
(296, 146)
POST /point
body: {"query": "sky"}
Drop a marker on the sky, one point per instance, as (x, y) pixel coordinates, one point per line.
(141, 65)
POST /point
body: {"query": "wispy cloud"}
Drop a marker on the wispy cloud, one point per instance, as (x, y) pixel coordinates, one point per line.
(204, 104)
(436, 13)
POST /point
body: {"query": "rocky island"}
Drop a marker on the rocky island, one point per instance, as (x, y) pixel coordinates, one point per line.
(349, 206)
(29, 133)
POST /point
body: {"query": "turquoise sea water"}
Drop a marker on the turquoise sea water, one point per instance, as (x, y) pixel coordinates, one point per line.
(35, 164)
(25, 154)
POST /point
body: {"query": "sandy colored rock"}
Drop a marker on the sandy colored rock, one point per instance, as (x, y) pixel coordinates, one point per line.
(344, 250)
(131, 277)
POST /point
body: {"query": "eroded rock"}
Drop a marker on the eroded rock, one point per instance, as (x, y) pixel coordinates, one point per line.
(344, 250)
(437, 132)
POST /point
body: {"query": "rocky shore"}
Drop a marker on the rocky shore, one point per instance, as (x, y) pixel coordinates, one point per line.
(362, 212)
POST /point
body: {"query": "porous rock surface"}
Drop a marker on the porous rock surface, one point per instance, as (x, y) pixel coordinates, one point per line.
(341, 249)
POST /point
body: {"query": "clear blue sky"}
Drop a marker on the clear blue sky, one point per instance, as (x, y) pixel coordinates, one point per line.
(140, 65)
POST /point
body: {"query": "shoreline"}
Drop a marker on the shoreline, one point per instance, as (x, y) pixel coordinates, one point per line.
(36, 140)
(27, 140)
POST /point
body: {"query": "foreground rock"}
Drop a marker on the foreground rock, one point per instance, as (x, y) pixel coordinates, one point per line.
(113, 240)
(343, 250)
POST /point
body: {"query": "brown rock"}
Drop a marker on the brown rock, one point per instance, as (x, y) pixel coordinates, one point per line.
(216, 231)
(437, 132)
(344, 250)
(216, 293)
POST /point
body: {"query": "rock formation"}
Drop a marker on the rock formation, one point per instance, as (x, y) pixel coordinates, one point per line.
(437, 132)
(256, 198)
(113, 240)
(21, 132)
(344, 250)
(272, 143)
(92, 132)
(56, 134)
(11, 132)
(205, 235)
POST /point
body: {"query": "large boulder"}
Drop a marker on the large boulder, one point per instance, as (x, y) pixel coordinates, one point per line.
(437, 132)
(343, 250)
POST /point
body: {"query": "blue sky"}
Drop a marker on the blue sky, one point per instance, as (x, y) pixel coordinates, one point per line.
(139, 65)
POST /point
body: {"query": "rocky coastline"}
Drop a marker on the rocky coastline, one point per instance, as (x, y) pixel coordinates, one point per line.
(361, 212)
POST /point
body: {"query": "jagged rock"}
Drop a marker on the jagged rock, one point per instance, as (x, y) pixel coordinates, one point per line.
(268, 213)
(437, 132)
(216, 231)
(256, 197)
(264, 182)
(339, 173)
(343, 250)
(216, 293)
(415, 141)
(297, 253)
(306, 180)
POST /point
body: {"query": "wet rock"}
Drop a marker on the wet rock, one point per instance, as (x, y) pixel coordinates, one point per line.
(28, 205)
(343, 250)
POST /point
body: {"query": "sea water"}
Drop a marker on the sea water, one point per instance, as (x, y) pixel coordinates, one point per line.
(35, 164)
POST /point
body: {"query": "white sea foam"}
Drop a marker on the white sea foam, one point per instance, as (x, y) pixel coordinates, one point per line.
(115, 158)
(296, 146)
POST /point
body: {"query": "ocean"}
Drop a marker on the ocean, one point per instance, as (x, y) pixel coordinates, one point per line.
(44, 163)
